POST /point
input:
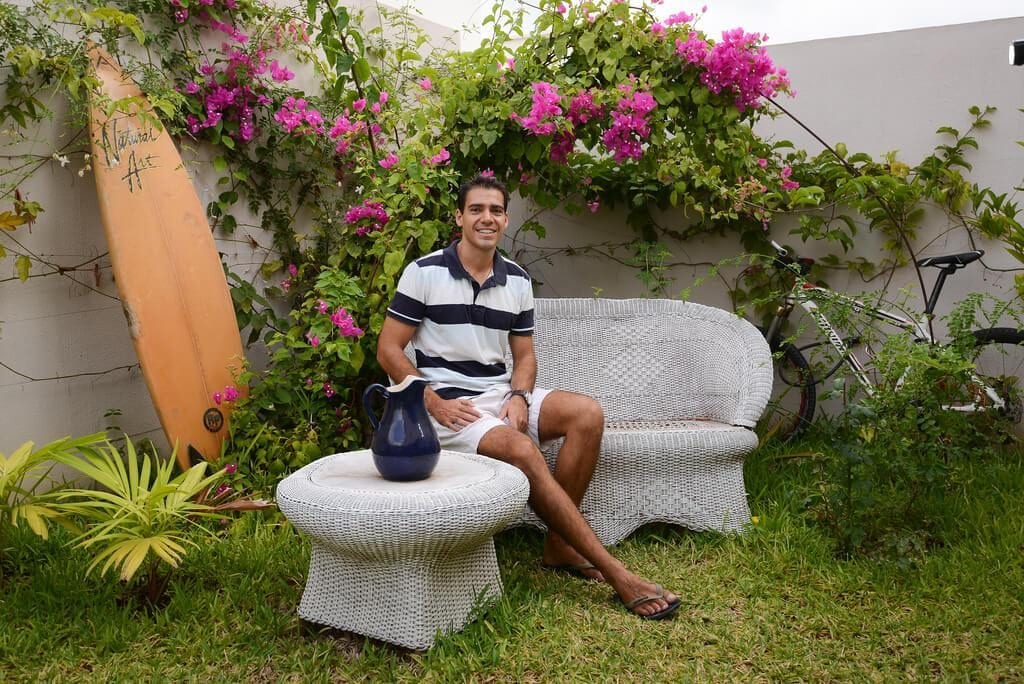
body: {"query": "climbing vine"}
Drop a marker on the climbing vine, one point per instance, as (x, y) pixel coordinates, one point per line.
(337, 150)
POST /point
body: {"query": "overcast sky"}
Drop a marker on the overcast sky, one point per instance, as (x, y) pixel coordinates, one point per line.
(785, 21)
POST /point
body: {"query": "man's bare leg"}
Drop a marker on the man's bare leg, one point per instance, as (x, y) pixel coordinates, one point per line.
(580, 420)
(555, 508)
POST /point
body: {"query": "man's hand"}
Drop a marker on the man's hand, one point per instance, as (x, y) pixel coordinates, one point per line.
(516, 413)
(454, 414)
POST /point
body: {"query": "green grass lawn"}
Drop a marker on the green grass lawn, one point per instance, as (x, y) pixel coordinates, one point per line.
(774, 604)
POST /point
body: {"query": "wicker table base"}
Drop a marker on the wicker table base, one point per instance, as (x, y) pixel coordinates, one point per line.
(401, 561)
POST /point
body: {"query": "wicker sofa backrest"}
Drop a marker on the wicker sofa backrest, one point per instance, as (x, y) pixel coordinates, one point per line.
(654, 359)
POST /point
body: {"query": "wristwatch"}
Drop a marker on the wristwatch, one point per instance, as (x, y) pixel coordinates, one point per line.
(525, 394)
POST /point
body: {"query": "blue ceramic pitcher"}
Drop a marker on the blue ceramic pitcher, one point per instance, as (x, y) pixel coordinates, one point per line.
(404, 445)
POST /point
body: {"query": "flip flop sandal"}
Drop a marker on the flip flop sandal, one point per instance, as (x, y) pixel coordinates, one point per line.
(577, 570)
(659, 593)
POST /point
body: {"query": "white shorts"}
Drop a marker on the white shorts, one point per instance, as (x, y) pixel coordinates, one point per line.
(489, 404)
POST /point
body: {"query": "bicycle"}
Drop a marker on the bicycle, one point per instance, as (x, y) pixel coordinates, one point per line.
(998, 357)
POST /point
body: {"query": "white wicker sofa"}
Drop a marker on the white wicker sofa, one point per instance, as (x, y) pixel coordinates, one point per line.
(681, 386)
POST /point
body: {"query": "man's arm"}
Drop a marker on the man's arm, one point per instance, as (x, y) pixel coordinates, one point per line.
(524, 375)
(394, 336)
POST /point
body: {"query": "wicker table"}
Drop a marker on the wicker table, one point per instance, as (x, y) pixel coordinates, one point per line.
(401, 561)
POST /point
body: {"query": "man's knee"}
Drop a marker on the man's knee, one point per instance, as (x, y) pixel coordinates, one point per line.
(589, 416)
(516, 449)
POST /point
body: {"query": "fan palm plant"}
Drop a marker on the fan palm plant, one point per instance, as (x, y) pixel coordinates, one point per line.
(26, 487)
(142, 516)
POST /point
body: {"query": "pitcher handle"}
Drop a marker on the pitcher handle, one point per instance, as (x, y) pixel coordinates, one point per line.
(375, 387)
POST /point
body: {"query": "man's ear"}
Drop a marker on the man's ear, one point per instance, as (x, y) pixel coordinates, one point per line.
(458, 218)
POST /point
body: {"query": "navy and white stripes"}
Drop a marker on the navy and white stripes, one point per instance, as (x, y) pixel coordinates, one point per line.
(463, 327)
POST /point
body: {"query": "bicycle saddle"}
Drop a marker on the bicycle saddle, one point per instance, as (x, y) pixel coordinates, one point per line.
(951, 260)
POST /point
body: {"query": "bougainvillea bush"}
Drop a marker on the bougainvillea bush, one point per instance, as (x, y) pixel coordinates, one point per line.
(338, 151)
(354, 175)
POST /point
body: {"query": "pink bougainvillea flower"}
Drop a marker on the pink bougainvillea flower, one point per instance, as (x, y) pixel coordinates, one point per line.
(231, 468)
(217, 398)
(369, 217)
(383, 97)
(230, 393)
(280, 73)
(788, 184)
(738, 64)
(375, 108)
(510, 63)
(389, 161)
(658, 29)
(679, 18)
(322, 306)
(328, 390)
(314, 341)
(763, 163)
(487, 173)
(359, 105)
(425, 83)
(342, 320)
(630, 125)
(561, 146)
(594, 206)
(293, 270)
(181, 16)
(223, 489)
(546, 107)
(562, 9)
(441, 157)
(582, 108)
(191, 87)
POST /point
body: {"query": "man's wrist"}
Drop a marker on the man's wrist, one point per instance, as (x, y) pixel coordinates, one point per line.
(523, 394)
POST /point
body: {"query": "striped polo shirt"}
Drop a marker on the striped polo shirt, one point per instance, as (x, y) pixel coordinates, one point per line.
(462, 327)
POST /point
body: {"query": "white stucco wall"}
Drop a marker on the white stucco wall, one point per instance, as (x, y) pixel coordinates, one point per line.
(876, 93)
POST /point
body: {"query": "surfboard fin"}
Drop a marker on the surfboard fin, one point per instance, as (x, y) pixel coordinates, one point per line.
(194, 456)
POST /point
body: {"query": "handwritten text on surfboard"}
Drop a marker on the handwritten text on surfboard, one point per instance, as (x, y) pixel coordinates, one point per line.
(120, 136)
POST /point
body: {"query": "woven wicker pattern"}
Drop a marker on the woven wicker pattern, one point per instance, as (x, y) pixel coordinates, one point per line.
(680, 384)
(396, 561)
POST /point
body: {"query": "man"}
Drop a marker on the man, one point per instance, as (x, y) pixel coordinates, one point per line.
(462, 307)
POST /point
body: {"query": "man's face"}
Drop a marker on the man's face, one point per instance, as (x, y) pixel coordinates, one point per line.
(484, 220)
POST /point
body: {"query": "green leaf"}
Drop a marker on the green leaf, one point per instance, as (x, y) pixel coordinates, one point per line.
(22, 265)
(361, 69)
(358, 356)
(393, 262)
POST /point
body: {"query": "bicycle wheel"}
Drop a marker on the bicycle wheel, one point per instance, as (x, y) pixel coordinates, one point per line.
(791, 409)
(999, 362)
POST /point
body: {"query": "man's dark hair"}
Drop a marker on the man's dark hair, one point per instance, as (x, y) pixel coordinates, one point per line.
(481, 181)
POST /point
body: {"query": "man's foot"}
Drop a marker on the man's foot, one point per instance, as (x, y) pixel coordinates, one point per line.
(644, 599)
(584, 570)
(560, 556)
(658, 595)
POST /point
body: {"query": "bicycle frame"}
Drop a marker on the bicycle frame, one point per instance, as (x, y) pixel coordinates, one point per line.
(804, 294)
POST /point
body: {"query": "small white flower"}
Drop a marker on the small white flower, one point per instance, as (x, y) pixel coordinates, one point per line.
(86, 157)
(64, 161)
(81, 172)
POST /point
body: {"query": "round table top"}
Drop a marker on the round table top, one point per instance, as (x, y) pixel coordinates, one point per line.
(344, 499)
(354, 471)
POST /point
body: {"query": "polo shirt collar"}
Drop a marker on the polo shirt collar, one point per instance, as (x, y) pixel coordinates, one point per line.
(457, 270)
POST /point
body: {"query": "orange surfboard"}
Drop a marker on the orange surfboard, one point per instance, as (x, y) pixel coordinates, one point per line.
(166, 266)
